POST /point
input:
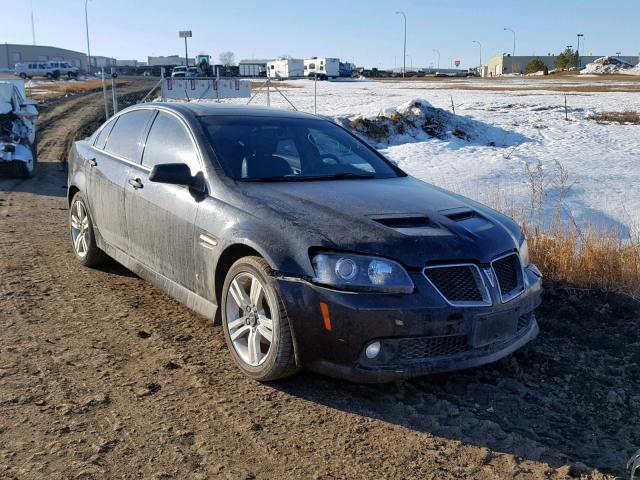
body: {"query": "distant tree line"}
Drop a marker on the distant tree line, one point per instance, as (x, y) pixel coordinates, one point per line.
(567, 59)
(564, 61)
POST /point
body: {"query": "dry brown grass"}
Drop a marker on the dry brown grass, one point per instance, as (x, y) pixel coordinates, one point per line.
(628, 117)
(50, 90)
(591, 257)
(255, 85)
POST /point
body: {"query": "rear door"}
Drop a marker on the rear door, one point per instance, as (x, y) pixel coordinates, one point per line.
(161, 217)
(116, 147)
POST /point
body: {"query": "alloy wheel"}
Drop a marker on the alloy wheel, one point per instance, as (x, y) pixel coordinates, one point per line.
(249, 318)
(80, 228)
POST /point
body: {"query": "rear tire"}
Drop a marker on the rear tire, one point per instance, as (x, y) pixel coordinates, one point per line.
(83, 240)
(261, 316)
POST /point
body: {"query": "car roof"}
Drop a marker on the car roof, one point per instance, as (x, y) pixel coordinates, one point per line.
(205, 109)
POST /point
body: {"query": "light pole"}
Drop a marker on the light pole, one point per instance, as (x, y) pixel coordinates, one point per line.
(86, 21)
(480, 46)
(410, 60)
(438, 52)
(578, 49)
(513, 52)
(404, 51)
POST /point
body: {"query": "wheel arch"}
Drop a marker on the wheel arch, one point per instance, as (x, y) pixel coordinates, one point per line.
(231, 254)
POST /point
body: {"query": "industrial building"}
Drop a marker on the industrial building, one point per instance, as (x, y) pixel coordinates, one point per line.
(169, 60)
(102, 62)
(253, 67)
(10, 54)
(506, 64)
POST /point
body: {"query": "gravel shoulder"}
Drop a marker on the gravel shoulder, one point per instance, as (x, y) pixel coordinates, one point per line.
(104, 376)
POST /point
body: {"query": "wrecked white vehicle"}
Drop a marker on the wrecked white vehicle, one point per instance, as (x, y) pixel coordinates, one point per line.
(18, 118)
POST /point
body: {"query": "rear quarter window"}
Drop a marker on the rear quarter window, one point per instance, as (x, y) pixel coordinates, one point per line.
(104, 134)
(126, 135)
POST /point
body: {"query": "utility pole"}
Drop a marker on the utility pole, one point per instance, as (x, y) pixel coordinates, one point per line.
(513, 52)
(404, 51)
(86, 21)
(33, 28)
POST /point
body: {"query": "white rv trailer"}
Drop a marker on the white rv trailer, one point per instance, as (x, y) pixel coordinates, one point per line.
(288, 68)
(322, 67)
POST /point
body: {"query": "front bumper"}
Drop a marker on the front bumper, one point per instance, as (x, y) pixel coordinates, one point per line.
(419, 333)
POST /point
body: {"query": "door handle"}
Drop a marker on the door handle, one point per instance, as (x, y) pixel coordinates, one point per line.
(135, 183)
(93, 162)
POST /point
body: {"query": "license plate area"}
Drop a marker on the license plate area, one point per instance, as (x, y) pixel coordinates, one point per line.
(493, 328)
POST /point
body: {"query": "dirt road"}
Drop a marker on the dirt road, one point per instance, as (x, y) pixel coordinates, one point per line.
(103, 376)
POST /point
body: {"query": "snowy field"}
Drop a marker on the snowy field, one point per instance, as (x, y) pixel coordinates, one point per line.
(602, 160)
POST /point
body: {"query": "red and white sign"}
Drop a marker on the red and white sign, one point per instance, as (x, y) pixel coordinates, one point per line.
(205, 88)
(456, 63)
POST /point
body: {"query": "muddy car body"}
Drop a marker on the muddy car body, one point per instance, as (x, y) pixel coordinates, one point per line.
(303, 239)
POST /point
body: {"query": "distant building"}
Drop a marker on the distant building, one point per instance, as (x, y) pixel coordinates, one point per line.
(10, 54)
(506, 64)
(130, 63)
(169, 60)
(102, 62)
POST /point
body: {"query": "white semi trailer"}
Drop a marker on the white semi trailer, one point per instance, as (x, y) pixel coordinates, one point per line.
(322, 67)
(287, 68)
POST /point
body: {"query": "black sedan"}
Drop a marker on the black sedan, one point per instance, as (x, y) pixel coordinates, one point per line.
(308, 245)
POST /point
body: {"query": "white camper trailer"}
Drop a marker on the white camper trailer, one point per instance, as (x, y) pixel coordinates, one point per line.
(288, 68)
(321, 67)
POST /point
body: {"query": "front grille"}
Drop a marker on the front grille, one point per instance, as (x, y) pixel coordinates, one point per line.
(428, 347)
(508, 274)
(456, 283)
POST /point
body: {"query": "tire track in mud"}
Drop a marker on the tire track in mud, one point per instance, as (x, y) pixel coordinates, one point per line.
(104, 376)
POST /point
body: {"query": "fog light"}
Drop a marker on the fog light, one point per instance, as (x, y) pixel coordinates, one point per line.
(372, 350)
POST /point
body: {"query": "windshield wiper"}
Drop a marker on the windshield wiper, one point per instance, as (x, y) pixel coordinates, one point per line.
(338, 176)
(308, 178)
(279, 178)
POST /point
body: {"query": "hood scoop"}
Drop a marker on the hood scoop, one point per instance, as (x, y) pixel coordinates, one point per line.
(403, 221)
(410, 224)
(469, 219)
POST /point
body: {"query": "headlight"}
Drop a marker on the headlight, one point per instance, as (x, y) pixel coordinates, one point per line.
(524, 252)
(360, 272)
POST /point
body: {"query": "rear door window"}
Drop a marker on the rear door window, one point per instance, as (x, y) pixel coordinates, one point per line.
(126, 135)
(169, 142)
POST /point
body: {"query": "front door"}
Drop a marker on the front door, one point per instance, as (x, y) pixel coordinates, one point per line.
(161, 217)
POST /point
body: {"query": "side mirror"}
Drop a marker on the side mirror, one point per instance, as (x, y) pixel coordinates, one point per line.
(173, 173)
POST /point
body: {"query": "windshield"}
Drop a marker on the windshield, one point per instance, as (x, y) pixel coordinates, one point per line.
(290, 149)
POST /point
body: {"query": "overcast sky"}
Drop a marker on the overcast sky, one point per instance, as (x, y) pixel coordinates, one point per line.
(367, 31)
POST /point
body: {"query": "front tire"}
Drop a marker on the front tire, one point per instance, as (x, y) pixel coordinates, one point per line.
(83, 241)
(255, 322)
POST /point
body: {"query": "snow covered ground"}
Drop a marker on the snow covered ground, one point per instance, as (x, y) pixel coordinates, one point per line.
(603, 160)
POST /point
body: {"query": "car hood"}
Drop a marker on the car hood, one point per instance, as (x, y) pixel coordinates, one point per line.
(401, 218)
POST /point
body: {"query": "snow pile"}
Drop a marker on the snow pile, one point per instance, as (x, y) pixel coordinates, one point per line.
(417, 120)
(608, 66)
